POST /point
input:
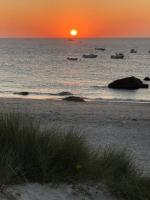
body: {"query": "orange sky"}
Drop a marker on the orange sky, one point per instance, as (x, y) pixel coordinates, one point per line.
(92, 18)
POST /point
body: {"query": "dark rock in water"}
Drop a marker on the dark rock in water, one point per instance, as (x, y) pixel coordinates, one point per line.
(129, 83)
(22, 93)
(146, 79)
(64, 93)
(61, 94)
(74, 98)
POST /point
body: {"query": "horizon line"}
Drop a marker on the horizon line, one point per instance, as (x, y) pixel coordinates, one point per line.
(66, 38)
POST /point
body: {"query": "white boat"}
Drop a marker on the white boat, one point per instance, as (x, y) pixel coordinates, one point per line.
(133, 51)
(89, 56)
(117, 56)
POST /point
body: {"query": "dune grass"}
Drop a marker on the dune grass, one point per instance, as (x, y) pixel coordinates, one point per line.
(28, 154)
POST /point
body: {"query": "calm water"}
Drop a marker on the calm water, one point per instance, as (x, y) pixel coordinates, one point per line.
(40, 67)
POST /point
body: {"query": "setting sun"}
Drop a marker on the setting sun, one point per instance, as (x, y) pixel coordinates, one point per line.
(74, 32)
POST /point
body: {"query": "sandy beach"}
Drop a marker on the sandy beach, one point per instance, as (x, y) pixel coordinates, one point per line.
(117, 124)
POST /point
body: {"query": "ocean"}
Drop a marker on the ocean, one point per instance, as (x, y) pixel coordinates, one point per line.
(40, 67)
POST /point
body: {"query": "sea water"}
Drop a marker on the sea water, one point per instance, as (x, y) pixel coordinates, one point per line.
(40, 67)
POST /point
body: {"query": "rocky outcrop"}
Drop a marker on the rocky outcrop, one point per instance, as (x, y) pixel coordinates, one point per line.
(64, 93)
(22, 93)
(147, 78)
(74, 98)
(129, 83)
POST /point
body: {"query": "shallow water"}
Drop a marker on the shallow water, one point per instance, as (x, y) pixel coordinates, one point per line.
(40, 66)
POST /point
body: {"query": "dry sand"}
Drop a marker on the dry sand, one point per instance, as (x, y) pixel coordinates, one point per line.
(121, 125)
(118, 124)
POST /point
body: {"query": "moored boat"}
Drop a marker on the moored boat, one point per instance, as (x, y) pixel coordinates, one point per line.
(89, 56)
(117, 56)
(100, 49)
(71, 39)
(72, 59)
(133, 51)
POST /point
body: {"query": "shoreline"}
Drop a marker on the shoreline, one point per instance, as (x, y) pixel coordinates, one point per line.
(60, 98)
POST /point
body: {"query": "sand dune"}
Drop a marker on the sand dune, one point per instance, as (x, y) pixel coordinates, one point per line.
(120, 125)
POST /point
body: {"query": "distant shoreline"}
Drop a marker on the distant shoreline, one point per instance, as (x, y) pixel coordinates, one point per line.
(92, 38)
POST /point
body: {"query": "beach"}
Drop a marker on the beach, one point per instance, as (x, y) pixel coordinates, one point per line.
(115, 124)
(120, 125)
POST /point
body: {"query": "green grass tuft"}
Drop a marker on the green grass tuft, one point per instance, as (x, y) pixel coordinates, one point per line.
(28, 154)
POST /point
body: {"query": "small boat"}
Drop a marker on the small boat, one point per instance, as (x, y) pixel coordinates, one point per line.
(117, 56)
(71, 40)
(72, 59)
(133, 51)
(100, 49)
(89, 56)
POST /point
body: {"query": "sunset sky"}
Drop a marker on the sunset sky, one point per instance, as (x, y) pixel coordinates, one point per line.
(92, 18)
